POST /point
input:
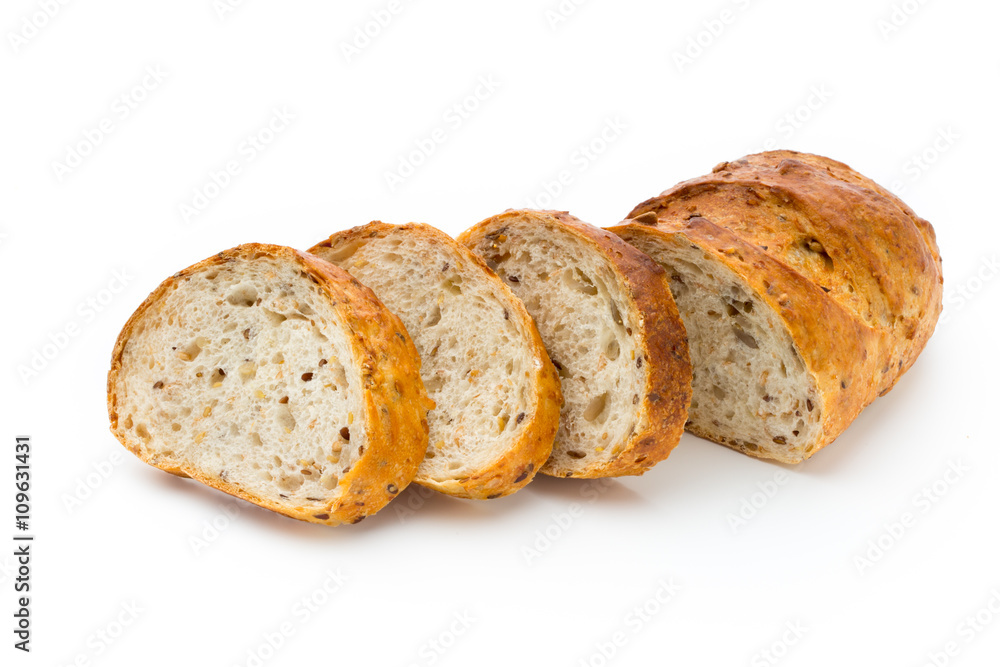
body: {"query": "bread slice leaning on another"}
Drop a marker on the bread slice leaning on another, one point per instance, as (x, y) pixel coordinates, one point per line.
(497, 393)
(276, 377)
(606, 316)
(807, 290)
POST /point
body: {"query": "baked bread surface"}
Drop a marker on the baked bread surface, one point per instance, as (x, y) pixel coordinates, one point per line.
(496, 392)
(607, 318)
(275, 377)
(845, 279)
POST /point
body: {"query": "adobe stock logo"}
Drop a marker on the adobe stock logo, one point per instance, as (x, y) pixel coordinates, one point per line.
(365, 34)
(962, 294)
(637, 619)
(249, 149)
(223, 8)
(923, 501)
(583, 157)
(85, 313)
(966, 632)
(32, 24)
(454, 117)
(899, 16)
(755, 502)
(700, 41)
(122, 107)
(779, 648)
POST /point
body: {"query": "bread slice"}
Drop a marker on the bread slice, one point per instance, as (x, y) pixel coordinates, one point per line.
(275, 377)
(606, 316)
(807, 290)
(484, 364)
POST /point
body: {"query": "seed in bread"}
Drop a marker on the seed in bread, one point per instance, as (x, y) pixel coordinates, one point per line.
(606, 316)
(276, 377)
(484, 365)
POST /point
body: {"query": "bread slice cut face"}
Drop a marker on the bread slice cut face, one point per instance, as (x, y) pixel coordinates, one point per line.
(807, 290)
(752, 390)
(496, 392)
(607, 318)
(275, 377)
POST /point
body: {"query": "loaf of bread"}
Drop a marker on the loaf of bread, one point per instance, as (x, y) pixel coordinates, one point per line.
(606, 316)
(806, 289)
(484, 365)
(276, 377)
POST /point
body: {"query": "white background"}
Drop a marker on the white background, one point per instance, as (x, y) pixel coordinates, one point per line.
(878, 97)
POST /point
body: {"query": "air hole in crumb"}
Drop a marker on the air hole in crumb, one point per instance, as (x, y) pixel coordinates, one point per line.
(612, 350)
(616, 314)
(274, 318)
(746, 338)
(579, 281)
(496, 260)
(191, 351)
(242, 295)
(434, 384)
(434, 317)
(718, 392)
(142, 432)
(575, 454)
(290, 482)
(343, 252)
(283, 416)
(597, 408)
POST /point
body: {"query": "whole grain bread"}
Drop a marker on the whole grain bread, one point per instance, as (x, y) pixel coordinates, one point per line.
(276, 377)
(607, 318)
(807, 290)
(484, 365)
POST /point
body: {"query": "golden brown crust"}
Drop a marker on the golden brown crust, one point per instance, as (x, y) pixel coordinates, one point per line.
(662, 338)
(395, 401)
(527, 454)
(835, 352)
(852, 271)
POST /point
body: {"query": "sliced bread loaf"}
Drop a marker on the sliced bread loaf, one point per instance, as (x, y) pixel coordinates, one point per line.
(484, 365)
(606, 316)
(807, 290)
(273, 376)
